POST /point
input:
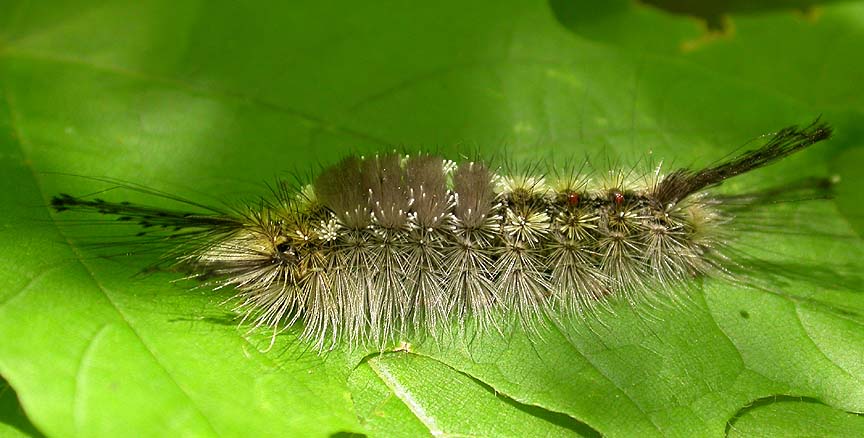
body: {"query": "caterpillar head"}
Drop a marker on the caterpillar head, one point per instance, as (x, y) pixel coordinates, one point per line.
(270, 247)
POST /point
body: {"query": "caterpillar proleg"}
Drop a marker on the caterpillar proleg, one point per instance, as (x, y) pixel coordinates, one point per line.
(382, 247)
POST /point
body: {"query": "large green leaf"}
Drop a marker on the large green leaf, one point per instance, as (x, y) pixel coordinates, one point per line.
(209, 99)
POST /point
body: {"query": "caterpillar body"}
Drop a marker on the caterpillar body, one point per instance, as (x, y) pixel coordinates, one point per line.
(379, 248)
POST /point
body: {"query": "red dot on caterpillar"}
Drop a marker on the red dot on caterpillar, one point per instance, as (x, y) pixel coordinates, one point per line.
(573, 199)
(618, 198)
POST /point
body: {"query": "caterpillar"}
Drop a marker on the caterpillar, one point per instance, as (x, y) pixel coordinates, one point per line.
(375, 249)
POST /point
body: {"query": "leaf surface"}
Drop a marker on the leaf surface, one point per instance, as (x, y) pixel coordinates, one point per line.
(209, 100)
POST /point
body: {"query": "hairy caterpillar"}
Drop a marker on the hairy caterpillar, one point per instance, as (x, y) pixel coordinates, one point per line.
(382, 247)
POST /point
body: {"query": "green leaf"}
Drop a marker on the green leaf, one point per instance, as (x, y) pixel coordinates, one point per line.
(406, 393)
(795, 418)
(13, 422)
(208, 100)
